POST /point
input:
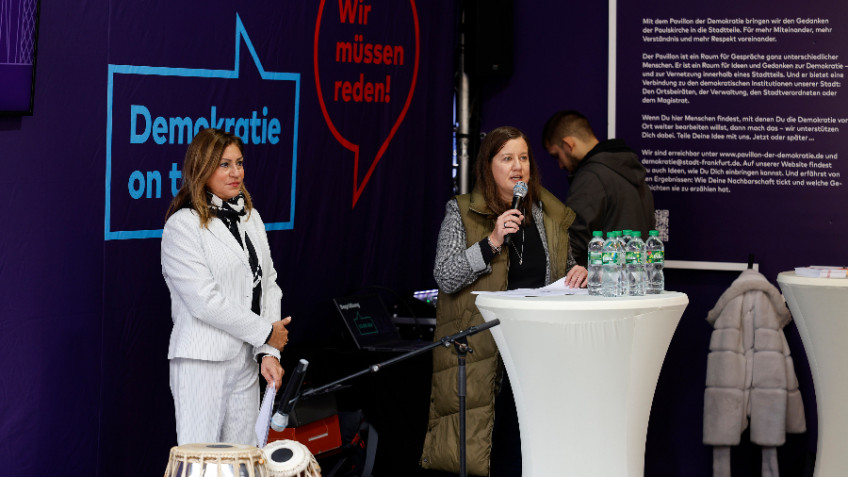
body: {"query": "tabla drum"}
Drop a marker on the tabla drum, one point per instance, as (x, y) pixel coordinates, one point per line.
(216, 460)
(286, 458)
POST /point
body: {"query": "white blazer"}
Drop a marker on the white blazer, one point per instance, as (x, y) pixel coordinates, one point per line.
(211, 285)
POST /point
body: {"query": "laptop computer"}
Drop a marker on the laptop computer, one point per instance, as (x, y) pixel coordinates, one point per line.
(370, 325)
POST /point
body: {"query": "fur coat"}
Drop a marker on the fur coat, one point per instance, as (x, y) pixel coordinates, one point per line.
(750, 375)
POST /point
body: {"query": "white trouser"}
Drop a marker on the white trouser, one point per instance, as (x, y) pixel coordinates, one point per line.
(216, 401)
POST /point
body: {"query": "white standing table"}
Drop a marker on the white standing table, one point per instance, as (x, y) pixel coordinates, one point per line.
(583, 371)
(819, 307)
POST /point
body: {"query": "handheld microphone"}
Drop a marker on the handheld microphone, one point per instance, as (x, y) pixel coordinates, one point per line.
(281, 417)
(518, 193)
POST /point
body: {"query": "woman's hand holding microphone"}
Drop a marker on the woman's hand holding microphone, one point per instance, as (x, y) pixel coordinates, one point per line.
(507, 223)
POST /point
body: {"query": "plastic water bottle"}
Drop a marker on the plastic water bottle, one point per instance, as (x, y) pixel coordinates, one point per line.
(655, 259)
(623, 283)
(596, 262)
(611, 270)
(636, 264)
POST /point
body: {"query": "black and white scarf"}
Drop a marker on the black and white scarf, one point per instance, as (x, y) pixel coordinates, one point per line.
(230, 212)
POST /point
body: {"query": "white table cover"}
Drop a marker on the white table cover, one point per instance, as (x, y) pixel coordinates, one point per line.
(819, 307)
(583, 370)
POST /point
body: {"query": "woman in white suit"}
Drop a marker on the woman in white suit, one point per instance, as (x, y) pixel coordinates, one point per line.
(225, 302)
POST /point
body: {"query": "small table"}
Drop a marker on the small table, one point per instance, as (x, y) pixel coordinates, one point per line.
(583, 371)
(819, 307)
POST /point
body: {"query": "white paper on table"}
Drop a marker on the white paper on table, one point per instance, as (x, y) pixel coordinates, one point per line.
(820, 271)
(263, 423)
(556, 288)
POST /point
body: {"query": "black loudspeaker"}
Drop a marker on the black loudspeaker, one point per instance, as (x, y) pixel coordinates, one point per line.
(488, 37)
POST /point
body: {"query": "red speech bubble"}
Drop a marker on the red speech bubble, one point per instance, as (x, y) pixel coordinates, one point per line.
(357, 9)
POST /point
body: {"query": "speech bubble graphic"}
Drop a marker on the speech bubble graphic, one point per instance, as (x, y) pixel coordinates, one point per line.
(370, 86)
(153, 112)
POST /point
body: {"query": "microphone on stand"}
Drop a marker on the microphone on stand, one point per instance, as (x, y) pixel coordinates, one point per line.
(518, 193)
(281, 417)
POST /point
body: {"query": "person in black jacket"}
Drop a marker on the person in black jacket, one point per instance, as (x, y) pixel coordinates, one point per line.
(607, 182)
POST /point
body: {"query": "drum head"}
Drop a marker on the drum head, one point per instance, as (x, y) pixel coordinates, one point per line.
(287, 458)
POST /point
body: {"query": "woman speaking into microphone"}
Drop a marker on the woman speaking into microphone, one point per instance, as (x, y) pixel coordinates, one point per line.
(472, 256)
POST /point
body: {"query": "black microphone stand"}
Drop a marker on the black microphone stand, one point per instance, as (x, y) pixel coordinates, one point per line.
(462, 349)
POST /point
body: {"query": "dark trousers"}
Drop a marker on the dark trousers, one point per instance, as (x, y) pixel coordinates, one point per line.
(506, 439)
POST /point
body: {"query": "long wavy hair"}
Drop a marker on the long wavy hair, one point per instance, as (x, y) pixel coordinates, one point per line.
(202, 158)
(491, 145)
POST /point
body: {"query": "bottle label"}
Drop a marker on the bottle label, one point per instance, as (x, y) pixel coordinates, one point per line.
(608, 258)
(655, 256)
(634, 258)
(596, 258)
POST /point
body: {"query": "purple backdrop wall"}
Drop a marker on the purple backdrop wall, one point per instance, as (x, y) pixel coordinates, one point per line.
(85, 313)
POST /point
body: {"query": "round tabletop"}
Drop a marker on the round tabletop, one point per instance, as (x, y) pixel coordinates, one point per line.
(792, 278)
(582, 302)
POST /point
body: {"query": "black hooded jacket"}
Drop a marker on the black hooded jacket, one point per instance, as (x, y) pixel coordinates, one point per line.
(608, 192)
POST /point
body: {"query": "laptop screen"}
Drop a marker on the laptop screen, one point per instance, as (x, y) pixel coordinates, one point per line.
(367, 319)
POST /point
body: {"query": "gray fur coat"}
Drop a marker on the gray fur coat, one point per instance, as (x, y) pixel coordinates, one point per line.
(750, 374)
